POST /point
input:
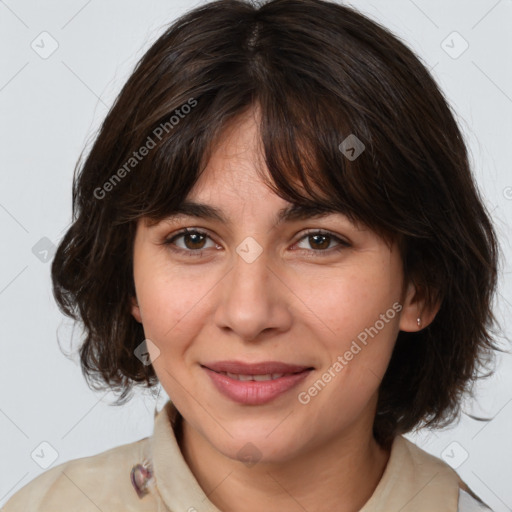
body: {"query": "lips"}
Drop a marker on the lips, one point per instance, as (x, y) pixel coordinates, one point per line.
(255, 383)
(262, 368)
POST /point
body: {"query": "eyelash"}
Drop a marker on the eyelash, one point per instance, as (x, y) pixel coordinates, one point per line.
(198, 252)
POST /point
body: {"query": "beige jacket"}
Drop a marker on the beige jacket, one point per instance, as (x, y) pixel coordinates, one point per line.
(413, 480)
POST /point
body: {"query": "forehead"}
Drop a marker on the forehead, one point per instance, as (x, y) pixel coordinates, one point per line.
(236, 170)
(236, 181)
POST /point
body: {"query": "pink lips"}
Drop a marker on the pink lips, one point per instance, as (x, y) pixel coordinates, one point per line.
(254, 392)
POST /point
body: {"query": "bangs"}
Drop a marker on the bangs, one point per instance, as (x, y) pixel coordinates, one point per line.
(303, 160)
(323, 137)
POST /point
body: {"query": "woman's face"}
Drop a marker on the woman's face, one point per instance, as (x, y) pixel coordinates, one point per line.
(251, 290)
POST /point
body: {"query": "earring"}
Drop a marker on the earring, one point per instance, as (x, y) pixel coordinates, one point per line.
(419, 321)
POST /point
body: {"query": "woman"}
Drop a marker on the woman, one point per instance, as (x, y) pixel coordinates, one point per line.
(277, 222)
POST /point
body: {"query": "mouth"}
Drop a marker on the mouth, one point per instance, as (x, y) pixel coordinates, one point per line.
(255, 377)
(261, 368)
(255, 383)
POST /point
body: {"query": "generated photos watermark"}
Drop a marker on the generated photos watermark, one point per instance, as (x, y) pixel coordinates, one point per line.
(304, 397)
(137, 156)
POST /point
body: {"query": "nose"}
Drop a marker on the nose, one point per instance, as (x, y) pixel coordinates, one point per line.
(254, 301)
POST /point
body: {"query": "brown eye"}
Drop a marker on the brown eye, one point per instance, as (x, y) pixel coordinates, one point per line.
(320, 242)
(192, 241)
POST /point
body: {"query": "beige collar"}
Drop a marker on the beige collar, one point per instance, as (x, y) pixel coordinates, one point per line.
(413, 481)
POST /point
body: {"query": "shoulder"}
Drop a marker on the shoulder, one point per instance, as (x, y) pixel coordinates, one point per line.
(100, 481)
(468, 503)
(423, 461)
(467, 500)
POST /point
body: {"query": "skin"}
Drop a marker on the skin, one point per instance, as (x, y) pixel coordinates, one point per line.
(294, 304)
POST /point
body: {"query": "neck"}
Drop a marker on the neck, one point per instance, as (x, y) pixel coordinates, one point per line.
(340, 475)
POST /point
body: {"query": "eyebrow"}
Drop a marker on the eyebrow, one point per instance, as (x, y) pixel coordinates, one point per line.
(293, 212)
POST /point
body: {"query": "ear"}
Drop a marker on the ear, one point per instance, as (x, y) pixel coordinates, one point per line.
(136, 310)
(414, 308)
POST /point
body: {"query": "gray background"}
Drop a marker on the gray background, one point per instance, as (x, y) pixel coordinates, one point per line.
(51, 104)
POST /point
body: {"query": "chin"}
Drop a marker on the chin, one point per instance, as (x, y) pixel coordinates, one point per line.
(257, 447)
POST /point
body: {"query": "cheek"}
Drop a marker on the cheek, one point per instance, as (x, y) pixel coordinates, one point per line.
(357, 312)
(344, 302)
(172, 301)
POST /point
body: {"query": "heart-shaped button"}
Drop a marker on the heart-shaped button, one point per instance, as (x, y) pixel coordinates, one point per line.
(140, 476)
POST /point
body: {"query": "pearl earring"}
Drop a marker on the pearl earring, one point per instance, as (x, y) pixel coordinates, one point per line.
(419, 321)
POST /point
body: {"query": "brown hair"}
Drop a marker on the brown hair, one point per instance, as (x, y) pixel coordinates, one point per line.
(319, 72)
